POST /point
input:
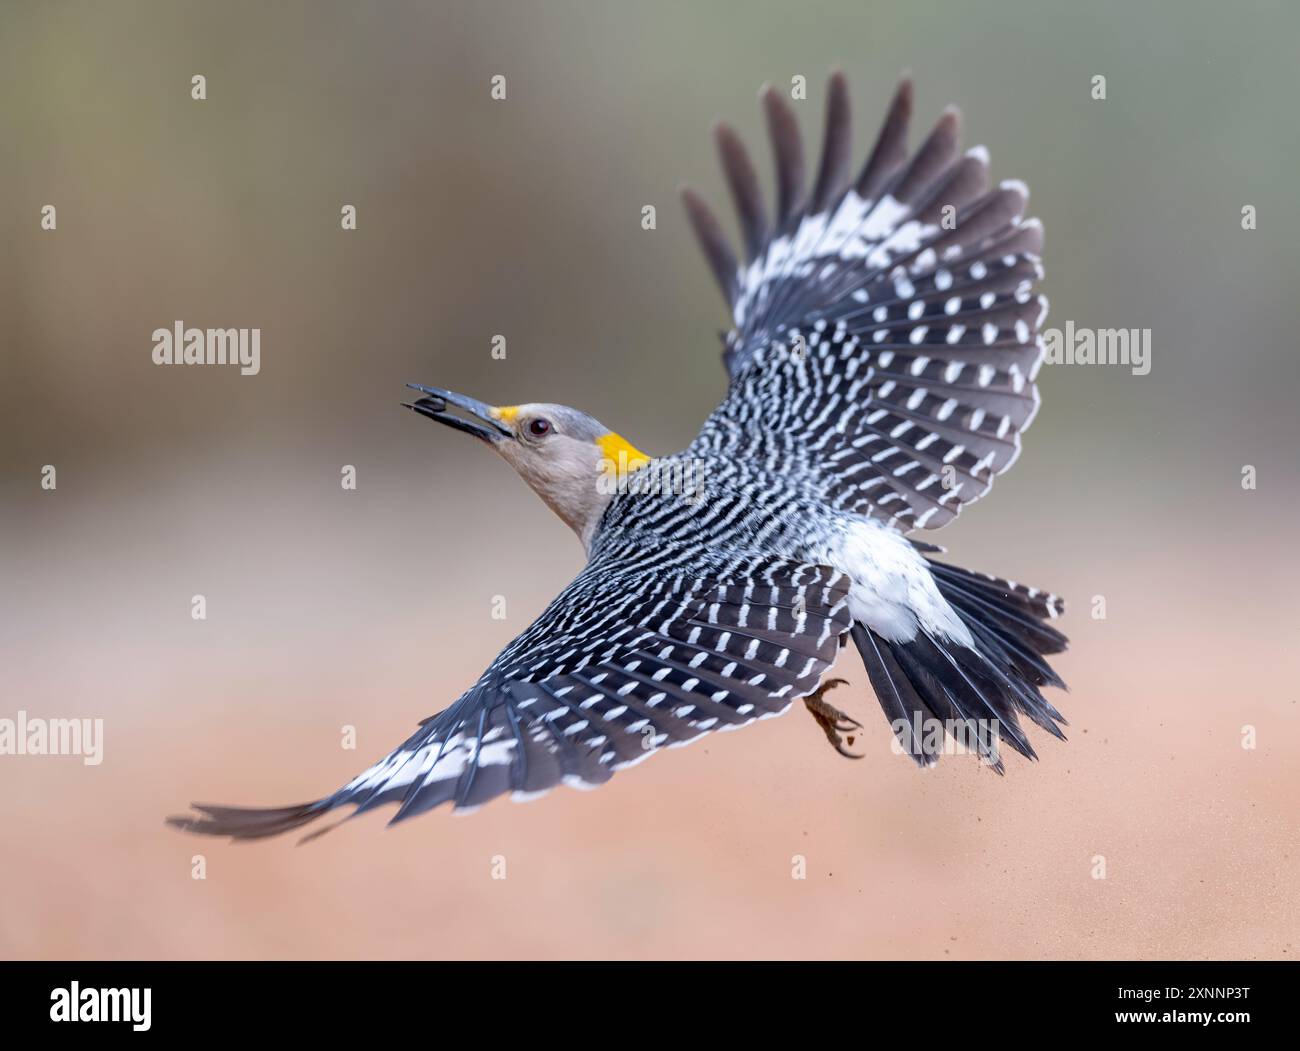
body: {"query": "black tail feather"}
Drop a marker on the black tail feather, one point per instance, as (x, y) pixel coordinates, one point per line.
(978, 714)
(1021, 608)
(973, 692)
(897, 696)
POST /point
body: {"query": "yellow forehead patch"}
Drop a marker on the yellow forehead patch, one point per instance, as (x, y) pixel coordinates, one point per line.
(506, 413)
(621, 455)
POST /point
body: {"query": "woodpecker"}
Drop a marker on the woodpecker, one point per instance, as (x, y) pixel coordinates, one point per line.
(882, 362)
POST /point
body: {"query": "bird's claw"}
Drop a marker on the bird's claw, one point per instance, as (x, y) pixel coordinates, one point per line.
(833, 721)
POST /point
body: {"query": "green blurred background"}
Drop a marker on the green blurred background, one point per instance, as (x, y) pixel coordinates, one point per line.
(522, 218)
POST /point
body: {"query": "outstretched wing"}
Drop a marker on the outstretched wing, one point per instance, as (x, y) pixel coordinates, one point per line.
(630, 657)
(885, 329)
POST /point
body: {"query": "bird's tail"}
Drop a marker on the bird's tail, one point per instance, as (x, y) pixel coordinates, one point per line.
(934, 691)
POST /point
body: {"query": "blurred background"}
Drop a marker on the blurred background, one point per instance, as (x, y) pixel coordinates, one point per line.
(372, 608)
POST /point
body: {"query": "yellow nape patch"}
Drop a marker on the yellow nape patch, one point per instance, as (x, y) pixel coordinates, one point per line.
(620, 455)
(505, 413)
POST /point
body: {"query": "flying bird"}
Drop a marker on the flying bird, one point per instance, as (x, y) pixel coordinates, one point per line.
(882, 361)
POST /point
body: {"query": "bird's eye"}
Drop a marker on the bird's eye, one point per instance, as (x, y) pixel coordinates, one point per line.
(539, 427)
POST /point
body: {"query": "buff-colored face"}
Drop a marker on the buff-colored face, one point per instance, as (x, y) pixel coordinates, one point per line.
(566, 456)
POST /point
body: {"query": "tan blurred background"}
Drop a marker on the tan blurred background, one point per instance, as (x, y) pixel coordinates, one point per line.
(371, 608)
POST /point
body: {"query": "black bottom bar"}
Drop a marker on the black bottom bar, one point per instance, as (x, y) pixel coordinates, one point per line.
(444, 999)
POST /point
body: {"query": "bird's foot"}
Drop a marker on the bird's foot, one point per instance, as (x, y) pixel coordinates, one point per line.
(833, 721)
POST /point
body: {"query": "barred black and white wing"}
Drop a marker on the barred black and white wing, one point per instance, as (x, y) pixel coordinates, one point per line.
(885, 326)
(632, 656)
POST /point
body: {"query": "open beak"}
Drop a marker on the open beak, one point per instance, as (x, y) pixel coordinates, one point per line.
(478, 420)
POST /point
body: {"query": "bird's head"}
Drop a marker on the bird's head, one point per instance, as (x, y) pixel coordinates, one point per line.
(571, 460)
